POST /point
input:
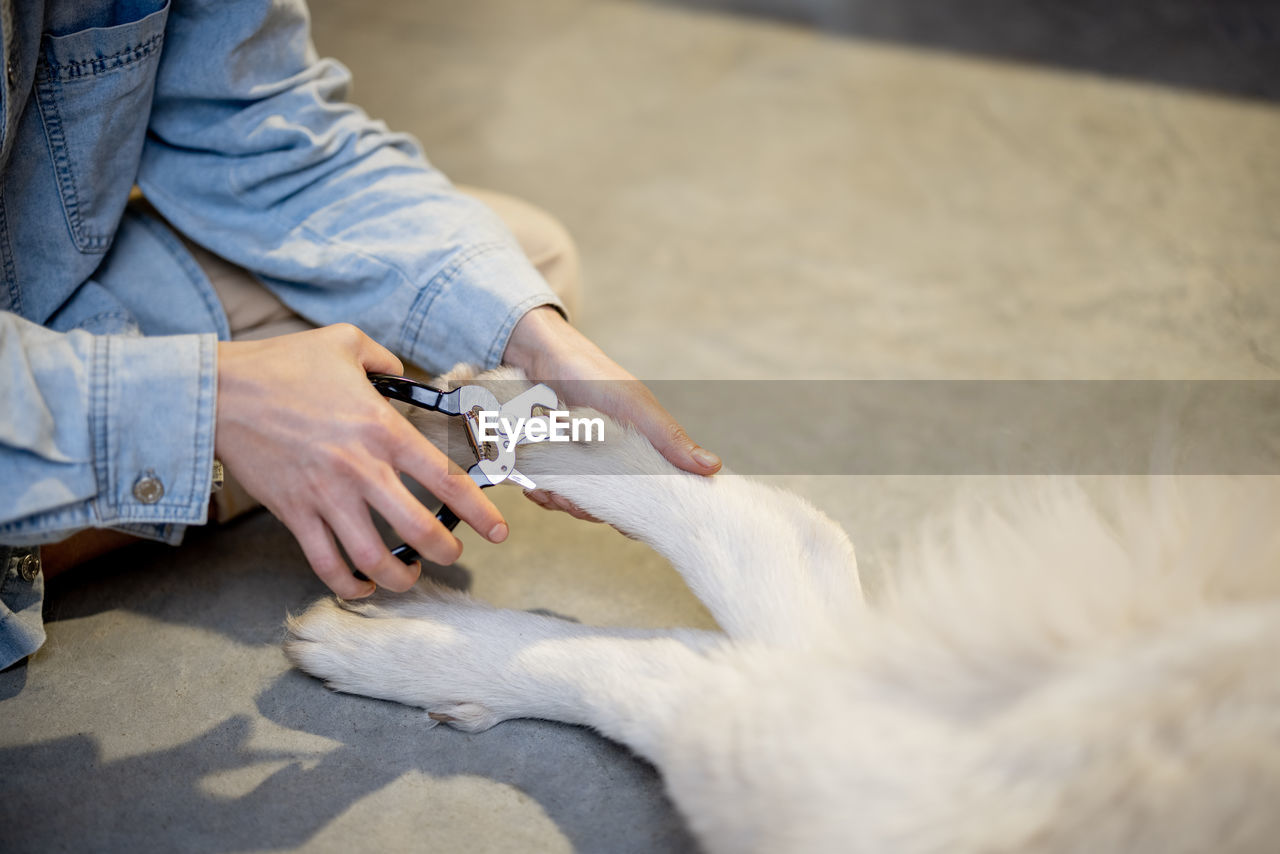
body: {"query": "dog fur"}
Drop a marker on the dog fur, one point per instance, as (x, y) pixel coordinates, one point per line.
(1062, 676)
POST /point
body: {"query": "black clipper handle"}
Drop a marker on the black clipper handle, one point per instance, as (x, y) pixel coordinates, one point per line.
(410, 391)
(408, 554)
(424, 397)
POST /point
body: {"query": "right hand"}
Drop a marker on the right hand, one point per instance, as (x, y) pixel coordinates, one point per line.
(303, 430)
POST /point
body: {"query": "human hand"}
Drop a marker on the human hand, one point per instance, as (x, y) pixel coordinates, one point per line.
(548, 349)
(303, 430)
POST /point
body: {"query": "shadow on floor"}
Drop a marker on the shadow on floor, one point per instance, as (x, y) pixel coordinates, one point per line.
(587, 786)
(63, 793)
(188, 586)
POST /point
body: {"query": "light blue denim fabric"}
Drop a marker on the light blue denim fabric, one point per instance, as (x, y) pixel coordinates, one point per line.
(240, 137)
(21, 623)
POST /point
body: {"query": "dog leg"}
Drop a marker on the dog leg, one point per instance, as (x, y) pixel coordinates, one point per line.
(472, 666)
(768, 565)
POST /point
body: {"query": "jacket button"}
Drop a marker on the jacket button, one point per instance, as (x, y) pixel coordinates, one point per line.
(147, 488)
(29, 567)
(11, 73)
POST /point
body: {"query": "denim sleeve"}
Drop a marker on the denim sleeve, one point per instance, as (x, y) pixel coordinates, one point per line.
(253, 152)
(111, 431)
(21, 606)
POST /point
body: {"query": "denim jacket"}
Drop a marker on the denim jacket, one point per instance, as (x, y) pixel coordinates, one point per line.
(238, 134)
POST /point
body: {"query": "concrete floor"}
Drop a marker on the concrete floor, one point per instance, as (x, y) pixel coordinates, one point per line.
(752, 201)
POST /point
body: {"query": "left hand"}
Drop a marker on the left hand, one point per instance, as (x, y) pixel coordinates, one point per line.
(548, 349)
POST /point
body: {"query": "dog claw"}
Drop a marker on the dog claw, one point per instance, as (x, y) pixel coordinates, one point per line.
(441, 716)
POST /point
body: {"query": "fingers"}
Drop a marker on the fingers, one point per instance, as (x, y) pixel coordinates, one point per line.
(322, 553)
(372, 356)
(354, 529)
(666, 434)
(376, 359)
(414, 523)
(429, 466)
(302, 429)
(545, 345)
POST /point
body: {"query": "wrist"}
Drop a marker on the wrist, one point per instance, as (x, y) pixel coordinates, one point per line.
(534, 337)
(234, 377)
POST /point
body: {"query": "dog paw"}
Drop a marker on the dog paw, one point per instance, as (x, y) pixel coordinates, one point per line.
(430, 647)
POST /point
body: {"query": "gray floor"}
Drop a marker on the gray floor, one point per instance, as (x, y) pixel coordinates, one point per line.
(753, 201)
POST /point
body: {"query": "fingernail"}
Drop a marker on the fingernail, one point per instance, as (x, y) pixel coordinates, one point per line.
(499, 533)
(705, 458)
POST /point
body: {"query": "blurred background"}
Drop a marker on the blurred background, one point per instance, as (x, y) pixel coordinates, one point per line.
(816, 189)
(870, 188)
(1223, 45)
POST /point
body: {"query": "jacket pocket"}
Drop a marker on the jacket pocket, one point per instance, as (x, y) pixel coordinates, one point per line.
(94, 89)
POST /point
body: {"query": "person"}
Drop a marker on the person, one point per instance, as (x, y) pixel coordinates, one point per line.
(124, 379)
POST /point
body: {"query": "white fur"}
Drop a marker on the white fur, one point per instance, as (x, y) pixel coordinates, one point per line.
(1064, 676)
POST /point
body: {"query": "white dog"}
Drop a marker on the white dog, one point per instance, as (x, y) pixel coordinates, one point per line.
(1065, 678)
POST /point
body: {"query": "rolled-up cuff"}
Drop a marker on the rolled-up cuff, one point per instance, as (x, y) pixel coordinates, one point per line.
(152, 407)
(21, 601)
(467, 311)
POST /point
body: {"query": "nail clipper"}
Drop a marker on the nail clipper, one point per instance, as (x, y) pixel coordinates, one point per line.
(495, 461)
